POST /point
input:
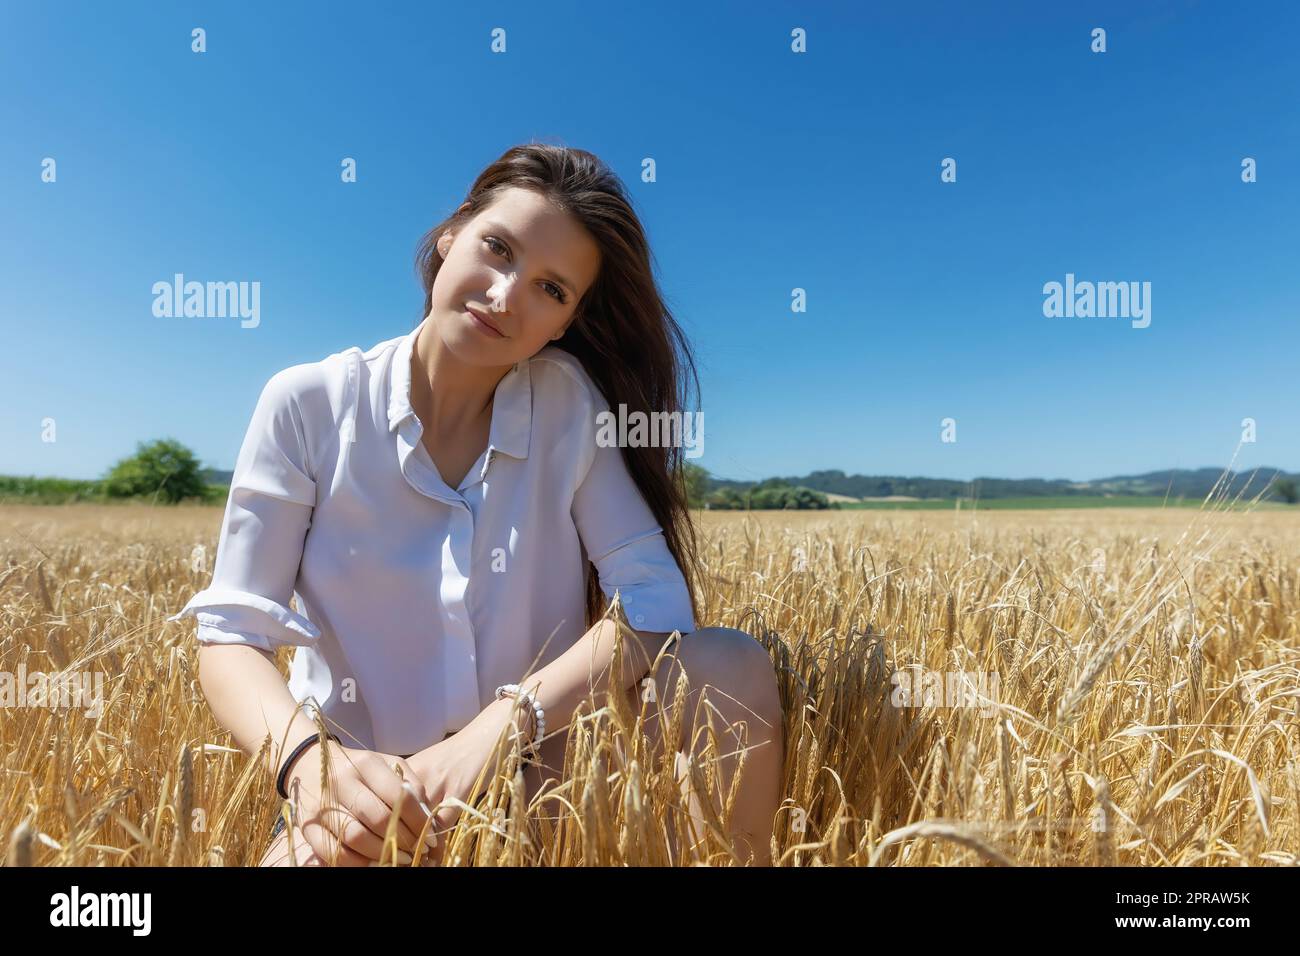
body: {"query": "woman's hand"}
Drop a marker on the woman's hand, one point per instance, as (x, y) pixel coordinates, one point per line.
(449, 769)
(352, 820)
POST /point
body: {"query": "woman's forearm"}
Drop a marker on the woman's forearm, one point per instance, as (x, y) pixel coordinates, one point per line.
(585, 668)
(250, 698)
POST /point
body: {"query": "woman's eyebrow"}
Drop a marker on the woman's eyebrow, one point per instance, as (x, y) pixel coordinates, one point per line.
(505, 231)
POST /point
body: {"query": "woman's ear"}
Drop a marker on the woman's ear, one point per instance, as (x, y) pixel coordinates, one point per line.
(447, 238)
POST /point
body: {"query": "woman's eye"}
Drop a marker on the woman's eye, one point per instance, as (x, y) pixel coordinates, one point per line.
(558, 295)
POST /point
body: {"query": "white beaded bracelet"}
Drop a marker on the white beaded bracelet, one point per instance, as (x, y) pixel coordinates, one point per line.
(529, 700)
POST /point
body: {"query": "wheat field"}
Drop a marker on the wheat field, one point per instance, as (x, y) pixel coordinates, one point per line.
(1144, 709)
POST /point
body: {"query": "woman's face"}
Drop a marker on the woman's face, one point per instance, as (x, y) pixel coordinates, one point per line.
(523, 266)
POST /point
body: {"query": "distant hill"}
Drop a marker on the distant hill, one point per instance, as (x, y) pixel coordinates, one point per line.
(1188, 483)
(834, 489)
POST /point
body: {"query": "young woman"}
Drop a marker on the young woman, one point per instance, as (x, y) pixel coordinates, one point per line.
(438, 504)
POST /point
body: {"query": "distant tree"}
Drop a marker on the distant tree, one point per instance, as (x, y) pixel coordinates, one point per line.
(766, 495)
(726, 499)
(164, 470)
(697, 484)
(1285, 488)
(808, 498)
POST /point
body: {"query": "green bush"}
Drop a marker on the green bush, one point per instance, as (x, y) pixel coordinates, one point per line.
(164, 470)
(767, 495)
(33, 490)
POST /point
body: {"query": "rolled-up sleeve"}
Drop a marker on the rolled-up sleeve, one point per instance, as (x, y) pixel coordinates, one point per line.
(259, 551)
(627, 546)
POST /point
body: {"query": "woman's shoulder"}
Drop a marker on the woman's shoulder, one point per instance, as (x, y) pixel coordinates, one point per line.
(559, 378)
(322, 396)
(325, 384)
(307, 385)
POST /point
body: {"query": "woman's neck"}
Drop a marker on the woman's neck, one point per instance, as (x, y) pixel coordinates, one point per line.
(447, 394)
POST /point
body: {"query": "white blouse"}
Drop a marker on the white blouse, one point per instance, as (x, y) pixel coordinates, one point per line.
(418, 600)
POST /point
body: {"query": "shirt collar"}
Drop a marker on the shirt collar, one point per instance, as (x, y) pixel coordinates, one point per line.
(512, 404)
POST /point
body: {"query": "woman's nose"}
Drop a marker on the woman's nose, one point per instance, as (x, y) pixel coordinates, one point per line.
(500, 294)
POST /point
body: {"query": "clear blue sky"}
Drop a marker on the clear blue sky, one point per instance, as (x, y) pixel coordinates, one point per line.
(775, 170)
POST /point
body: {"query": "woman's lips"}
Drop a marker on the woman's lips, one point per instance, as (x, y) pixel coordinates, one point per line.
(483, 324)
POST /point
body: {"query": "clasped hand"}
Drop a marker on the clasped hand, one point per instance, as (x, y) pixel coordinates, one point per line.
(349, 828)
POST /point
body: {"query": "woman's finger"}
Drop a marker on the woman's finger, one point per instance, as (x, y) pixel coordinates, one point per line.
(406, 790)
(444, 821)
(382, 780)
(417, 808)
(363, 823)
(326, 845)
(359, 838)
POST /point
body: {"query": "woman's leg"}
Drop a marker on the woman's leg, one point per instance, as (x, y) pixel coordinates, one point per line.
(736, 677)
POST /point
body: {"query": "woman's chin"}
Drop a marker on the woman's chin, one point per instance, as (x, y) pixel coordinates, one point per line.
(473, 349)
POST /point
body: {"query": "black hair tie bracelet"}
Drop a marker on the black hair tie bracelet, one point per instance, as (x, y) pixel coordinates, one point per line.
(297, 751)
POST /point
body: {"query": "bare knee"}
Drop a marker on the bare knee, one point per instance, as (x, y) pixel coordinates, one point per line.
(736, 663)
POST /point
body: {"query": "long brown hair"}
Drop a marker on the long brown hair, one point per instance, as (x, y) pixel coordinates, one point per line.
(622, 332)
